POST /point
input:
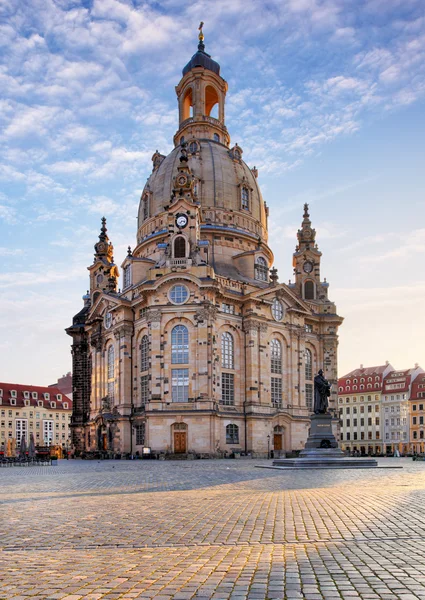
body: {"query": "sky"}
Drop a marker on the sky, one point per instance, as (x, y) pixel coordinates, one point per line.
(326, 98)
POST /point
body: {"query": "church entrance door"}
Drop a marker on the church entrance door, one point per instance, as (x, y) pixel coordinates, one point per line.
(277, 441)
(179, 442)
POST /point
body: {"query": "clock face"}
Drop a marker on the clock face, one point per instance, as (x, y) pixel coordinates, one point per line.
(182, 180)
(307, 233)
(99, 278)
(308, 266)
(181, 221)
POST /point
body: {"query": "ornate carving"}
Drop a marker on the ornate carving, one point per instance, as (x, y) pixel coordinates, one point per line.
(96, 342)
(123, 331)
(154, 316)
(253, 325)
(206, 313)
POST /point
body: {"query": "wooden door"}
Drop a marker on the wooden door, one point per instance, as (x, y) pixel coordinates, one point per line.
(277, 441)
(179, 442)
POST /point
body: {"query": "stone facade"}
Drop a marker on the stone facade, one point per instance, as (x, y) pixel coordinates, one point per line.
(203, 350)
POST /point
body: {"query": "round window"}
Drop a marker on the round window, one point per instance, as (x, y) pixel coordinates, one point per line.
(179, 294)
(277, 310)
(193, 147)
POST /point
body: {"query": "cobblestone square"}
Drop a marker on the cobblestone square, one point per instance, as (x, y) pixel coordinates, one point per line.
(211, 529)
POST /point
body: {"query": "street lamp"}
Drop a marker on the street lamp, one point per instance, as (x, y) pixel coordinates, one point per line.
(268, 446)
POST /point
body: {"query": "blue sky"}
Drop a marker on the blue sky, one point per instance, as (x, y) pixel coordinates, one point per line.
(326, 98)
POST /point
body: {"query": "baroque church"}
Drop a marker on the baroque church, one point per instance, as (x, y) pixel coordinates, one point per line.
(202, 351)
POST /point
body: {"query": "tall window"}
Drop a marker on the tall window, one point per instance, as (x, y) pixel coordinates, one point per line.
(127, 276)
(308, 371)
(48, 427)
(276, 356)
(276, 392)
(232, 434)
(180, 247)
(144, 354)
(309, 290)
(111, 373)
(145, 205)
(245, 198)
(21, 430)
(179, 345)
(261, 269)
(140, 434)
(227, 388)
(308, 364)
(227, 352)
(180, 385)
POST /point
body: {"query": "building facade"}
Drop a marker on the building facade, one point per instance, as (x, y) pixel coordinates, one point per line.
(203, 350)
(374, 409)
(43, 411)
(417, 414)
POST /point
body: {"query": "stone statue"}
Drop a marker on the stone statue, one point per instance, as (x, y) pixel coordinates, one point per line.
(322, 391)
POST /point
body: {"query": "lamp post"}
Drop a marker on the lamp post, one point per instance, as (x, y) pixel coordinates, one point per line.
(268, 446)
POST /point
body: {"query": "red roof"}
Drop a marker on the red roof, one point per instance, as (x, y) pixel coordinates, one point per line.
(418, 387)
(32, 394)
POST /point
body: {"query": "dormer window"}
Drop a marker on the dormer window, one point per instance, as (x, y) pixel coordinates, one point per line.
(261, 269)
(65, 405)
(58, 396)
(40, 403)
(127, 276)
(13, 401)
(46, 396)
(26, 402)
(244, 198)
(52, 404)
(34, 395)
(193, 147)
(26, 394)
(1, 392)
(13, 393)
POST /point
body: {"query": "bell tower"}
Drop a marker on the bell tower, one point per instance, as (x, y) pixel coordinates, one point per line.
(200, 90)
(306, 262)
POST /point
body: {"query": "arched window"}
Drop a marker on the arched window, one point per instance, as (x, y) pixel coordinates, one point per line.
(111, 373)
(211, 99)
(144, 354)
(187, 105)
(308, 371)
(216, 137)
(180, 247)
(309, 290)
(179, 345)
(244, 198)
(261, 269)
(232, 434)
(276, 356)
(145, 205)
(227, 351)
(144, 368)
(308, 364)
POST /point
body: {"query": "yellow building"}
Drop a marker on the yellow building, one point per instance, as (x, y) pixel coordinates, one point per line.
(43, 411)
(203, 350)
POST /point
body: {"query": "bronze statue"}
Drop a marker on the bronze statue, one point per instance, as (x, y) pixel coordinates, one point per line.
(322, 391)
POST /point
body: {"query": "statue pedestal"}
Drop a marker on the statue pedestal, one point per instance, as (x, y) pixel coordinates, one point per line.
(321, 450)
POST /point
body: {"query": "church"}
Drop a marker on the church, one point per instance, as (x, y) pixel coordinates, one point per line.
(202, 351)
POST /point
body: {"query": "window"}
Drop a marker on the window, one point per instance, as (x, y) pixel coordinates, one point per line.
(48, 427)
(145, 207)
(309, 290)
(13, 401)
(144, 389)
(354, 422)
(354, 410)
(127, 276)
(227, 351)
(308, 364)
(261, 270)
(180, 247)
(140, 434)
(276, 356)
(180, 385)
(111, 372)
(216, 137)
(13, 393)
(348, 436)
(376, 420)
(244, 198)
(347, 423)
(227, 388)
(179, 294)
(347, 410)
(369, 421)
(228, 308)
(276, 392)
(144, 353)
(309, 329)
(355, 435)
(309, 395)
(21, 430)
(277, 310)
(179, 345)
(232, 434)
(193, 147)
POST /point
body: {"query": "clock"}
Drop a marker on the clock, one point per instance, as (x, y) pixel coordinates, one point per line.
(307, 233)
(99, 278)
(181, 221)
(182, 180)
(308, 266)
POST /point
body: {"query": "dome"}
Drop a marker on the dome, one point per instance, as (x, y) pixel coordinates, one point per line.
(221, 177)
(202, 59)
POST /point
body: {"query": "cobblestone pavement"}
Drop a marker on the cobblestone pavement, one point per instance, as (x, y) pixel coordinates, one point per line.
(211, 529)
